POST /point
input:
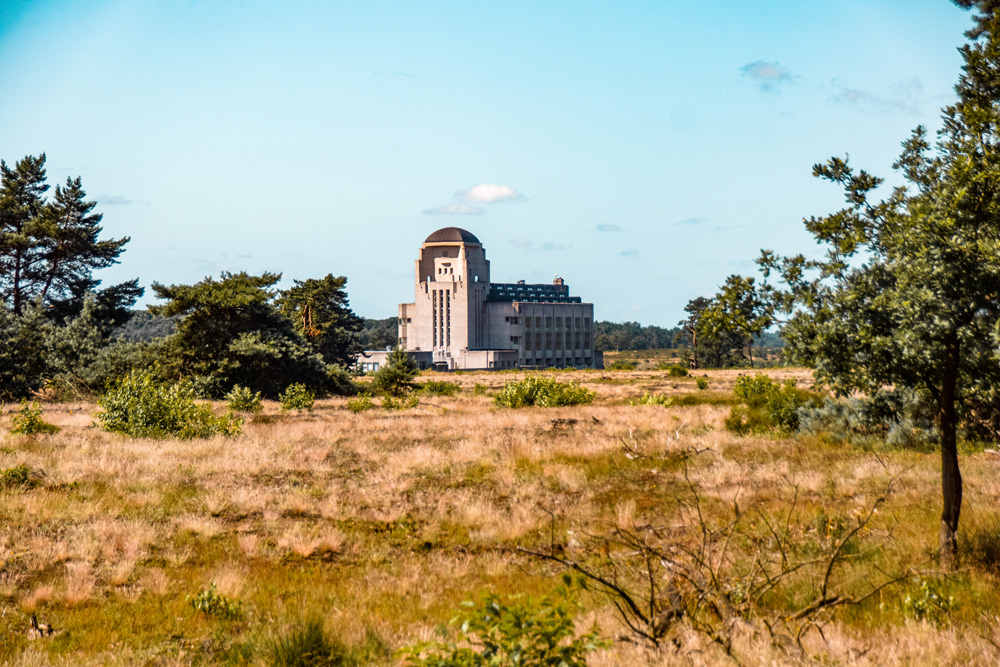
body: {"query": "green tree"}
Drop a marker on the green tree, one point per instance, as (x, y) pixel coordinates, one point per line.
(908, 295)
(49, 250)
(739, 312)
(395, 378)
(230, 332)
(320, 311)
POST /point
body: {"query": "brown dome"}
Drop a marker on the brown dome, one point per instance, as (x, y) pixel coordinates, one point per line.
(452, 235)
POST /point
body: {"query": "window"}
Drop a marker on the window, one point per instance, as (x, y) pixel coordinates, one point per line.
(578, 322)
(548, 322)
(538, 322)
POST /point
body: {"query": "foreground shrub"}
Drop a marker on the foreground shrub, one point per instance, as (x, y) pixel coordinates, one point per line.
(623, 365)
(654, 399)
(528, 632)
(29, 421)
(19, 476)
(297, 397)
(542, 391)
(212, 603)
(768, 406)
(243, 399)
(138, 405)
(404, 402)
(677, 371)
(440, 388)
(747, 387)
(360, 403)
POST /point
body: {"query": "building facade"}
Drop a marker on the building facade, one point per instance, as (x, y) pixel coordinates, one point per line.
(460, 320)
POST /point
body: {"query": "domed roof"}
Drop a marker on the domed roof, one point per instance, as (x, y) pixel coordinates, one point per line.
(452, 235)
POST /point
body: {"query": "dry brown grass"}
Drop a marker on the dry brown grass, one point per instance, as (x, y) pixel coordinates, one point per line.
(385, 521)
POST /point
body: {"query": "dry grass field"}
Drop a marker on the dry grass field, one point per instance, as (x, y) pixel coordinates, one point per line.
(380, 523)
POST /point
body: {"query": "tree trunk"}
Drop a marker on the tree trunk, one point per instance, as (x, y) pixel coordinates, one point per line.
(750, 352)
(951, 478)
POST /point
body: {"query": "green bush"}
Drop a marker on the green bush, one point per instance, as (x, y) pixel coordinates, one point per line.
(654, 399)
(623, 365)
(440, 388)
(308, 646)
(782, 404)
(701, 383)
(360, 403)
(297, 397)
(480, 390)
(929, 603)
(748, 387)
(243, 399)
(211, 603)
(677, 371)
(29, 421)
(541, 391)
(745, 419)
(404, 402)
(527, 632)
(395, 378)
(139, 406)
(19, 476)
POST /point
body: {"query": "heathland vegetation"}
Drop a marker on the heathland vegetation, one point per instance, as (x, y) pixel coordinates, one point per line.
(209, 483)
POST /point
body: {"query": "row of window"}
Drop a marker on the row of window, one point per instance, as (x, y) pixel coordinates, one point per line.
(558, 321)
(570, 341)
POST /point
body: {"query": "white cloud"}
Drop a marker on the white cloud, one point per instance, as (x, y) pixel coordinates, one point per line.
(456, 208)
(906, 96)
(488, 193)
(768, 75)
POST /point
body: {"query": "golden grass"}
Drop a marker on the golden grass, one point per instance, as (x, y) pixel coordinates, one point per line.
(384, 521)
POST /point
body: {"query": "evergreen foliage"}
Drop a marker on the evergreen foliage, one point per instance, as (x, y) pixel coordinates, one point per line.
(319, 309)
(297, 397)
(379, 334)
(395, 377)
(631, 336)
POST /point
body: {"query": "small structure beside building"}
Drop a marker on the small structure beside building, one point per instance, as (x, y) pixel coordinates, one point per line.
(460, 320)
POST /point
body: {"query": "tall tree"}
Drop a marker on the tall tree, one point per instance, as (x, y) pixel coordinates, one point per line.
(49, 250)
(739, 312)
(908, 295)
(321, 313)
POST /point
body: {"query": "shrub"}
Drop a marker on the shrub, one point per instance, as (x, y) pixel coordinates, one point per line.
(929, 603)
(243, 399)
(541, 391)
(20, 475)
(744, 420)
(782, 404)
(395, 378)
(211, 603)
(139, 406)
(29, 421)
(440, 388)
(297, 397)
(701, 383)
(404, 402)
(533, 632)
(677, 371)
(480, 390)
(360, 403)
(308, 646)
(748, 387)
(654, 399)
(623, 365)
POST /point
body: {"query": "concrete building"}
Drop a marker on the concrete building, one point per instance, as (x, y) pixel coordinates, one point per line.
(460, 320)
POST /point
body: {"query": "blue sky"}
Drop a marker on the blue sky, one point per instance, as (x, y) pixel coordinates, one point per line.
(641, 150)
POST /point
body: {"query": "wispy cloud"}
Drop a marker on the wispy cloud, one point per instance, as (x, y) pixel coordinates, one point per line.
(629, 253)
(488, 193)
(456, 208)
(113, 200)
(607, 227)
(691, 222)
(521, 243)
(768, 76)
(906, 96)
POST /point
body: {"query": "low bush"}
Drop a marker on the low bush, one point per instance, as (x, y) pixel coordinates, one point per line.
(677, 371)
(29, 421)
(297, 397)
(404, 402)
(440, 388)
(748, 387)
(395, 377)
(243, 399)
(480, 390)
(528, 632)
(212, 603)
(360, 403)
(541, 391)
(19, 476)
(308, 646)
(767, 406)
(654, 399)
(623, 365)
(701, 383)
(140, 406)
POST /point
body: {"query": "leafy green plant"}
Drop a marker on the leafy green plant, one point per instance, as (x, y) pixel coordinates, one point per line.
(623, 365)
(677, 371)
(29, 421)
(480, 390)
(244, 399)
(308, 646)
(212, 603)
(542, 391)
(140, 406)
(18, 476)
(747, 386)
(654, 399)
(527, 632)
(297, 397)
(929, 603)
(360, 403)
(701, 383)
(404, 402)
(440, 388)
